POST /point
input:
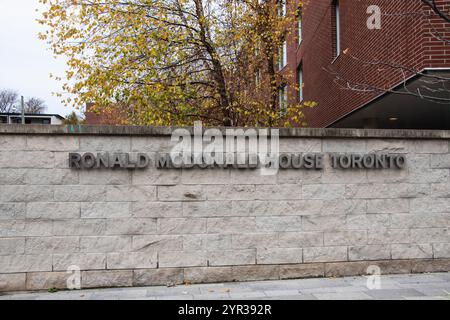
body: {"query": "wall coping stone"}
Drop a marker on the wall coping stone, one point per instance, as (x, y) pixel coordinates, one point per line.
(109, 130)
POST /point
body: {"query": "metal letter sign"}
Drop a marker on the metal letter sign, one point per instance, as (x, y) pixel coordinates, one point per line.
(307, 161)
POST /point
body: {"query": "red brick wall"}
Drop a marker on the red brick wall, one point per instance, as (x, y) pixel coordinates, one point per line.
(404, 39)
(111, 115)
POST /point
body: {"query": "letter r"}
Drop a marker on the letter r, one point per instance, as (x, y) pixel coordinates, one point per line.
(74, 160)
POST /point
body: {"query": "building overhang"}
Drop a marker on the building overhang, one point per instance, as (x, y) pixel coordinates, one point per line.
(32, 115)
(400, 109)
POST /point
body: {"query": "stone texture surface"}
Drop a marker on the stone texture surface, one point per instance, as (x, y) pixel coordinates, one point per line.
(297, 271)
(257, 272)
(158, 277)
(12, 282)
(153, 227)
(25, 263)
(325, 254)
(47, 280)
(280, 255)
(98, 279)
(84, 261)
(232, 257)
(131, 260)
(183, 258)
(208, 275)
(346, 269)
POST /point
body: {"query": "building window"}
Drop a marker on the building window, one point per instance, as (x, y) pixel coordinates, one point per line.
(337, 24)
(300, 82)
(299, 25)
(283, 98)
(281, 8)
(282, 56)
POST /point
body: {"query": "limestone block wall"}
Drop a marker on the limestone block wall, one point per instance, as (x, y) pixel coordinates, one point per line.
(153, 227)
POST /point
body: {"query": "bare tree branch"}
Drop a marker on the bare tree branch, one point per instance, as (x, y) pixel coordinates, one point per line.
(35, 105)
(8, 100)
(433, 5)
(364, 87)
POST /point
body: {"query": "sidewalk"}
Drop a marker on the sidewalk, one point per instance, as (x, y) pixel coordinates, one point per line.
(417, 286)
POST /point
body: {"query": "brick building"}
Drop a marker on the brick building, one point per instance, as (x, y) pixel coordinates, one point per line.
(110, 115)
(332, 49)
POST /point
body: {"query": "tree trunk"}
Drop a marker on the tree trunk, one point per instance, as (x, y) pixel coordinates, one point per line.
(218, 75)
(265, 25)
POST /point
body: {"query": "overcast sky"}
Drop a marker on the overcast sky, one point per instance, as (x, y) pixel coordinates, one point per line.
(25, 61)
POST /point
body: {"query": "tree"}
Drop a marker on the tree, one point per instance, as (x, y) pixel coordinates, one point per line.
(72, 119)
(171, 62)
(35, 105)
(8, 100)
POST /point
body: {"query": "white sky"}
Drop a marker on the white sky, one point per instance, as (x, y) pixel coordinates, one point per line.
(25, 61)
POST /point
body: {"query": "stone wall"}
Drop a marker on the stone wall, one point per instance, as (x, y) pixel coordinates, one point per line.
(153, 227)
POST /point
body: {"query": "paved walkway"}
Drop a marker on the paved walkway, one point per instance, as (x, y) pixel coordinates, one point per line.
(417, 286)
